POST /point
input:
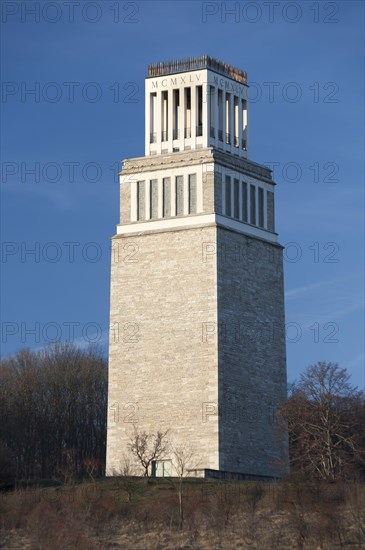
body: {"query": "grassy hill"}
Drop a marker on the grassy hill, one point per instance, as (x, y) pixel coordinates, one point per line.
(144, 514)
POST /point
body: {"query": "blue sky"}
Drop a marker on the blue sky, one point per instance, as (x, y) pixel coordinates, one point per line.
(306, 66)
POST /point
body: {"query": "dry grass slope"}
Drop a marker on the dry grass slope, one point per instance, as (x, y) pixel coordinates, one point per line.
(218, 515)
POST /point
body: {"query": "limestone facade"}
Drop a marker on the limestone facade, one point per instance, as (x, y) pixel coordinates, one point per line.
(197, 342)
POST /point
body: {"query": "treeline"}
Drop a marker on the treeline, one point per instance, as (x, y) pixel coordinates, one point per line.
(53, 409)
(53, 406)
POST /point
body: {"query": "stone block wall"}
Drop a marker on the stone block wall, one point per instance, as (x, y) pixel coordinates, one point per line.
(251, 354)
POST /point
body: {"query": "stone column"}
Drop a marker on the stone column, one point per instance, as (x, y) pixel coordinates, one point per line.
(240, 198)
(265, 209)
(173, 195)
(193, 116)
(249, 203)
(134, 200)
(147, 122)
(170, 119)
(223, 192)
(231, 124)
(158, 121)
(186, 195)
(206, 114)
(181, 122)
(160, 199)
(224, 126)
(147, 194)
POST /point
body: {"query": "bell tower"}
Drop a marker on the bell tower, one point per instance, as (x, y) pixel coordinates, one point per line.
(191, 105)
(197, 340)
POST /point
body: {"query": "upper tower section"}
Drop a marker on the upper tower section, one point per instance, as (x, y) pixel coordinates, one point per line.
(196, 103)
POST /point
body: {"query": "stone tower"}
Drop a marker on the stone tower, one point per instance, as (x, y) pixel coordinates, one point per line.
(197, 341)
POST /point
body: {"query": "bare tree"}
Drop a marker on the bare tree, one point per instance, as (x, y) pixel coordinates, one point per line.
(184, 462)
(148, 447)
(91, 467)
(126, 474)
(67, 467)
(325, 431)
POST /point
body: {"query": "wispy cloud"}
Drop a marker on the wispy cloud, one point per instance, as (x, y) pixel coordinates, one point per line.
(57, 197)
(325, 301)
(356, 360)
(295, 292)
(299, 291)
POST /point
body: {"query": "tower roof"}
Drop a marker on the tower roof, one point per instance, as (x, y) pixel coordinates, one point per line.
(195, 63)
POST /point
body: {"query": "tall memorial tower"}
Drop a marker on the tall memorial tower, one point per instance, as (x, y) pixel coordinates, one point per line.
(197, 342)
